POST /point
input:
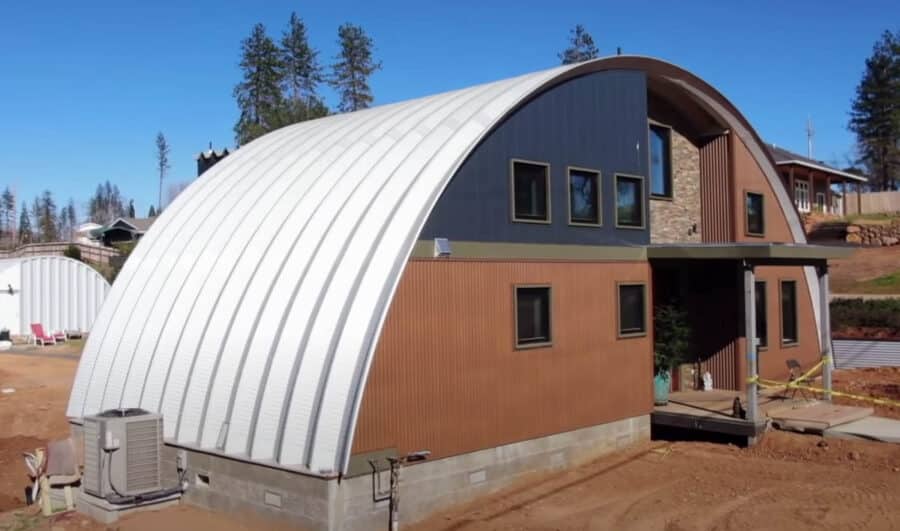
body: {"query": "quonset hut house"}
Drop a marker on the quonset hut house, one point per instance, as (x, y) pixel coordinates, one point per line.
(469, 274)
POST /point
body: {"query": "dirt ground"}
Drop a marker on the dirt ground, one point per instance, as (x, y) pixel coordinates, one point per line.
(865, 264)
(33, 414)
(881, 382)
(787, 481)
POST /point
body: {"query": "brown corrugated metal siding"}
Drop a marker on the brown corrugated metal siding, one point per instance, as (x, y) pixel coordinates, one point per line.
(447, 377)
(715, 191)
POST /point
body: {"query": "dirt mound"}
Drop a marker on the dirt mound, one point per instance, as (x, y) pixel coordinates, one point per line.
(878, 382)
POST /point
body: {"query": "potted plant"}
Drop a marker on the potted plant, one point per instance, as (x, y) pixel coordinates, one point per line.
(671, 343)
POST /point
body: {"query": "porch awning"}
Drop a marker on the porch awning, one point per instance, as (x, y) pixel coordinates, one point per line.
(787, 253)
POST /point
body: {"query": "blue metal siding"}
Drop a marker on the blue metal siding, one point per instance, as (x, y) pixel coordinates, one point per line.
(597, 121)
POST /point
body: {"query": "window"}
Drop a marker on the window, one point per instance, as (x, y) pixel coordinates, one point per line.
(755, 217)
(660, 161)
(788, 312)
(531, 191)
(762, 323)
(632, 312)
(532, 316)
(801, 195)
(584, 197)
(629, 201)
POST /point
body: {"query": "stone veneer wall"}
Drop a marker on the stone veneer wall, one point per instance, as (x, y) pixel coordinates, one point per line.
(673, 221)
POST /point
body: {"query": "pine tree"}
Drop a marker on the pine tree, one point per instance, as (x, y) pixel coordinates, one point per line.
(71, 217)
(162, 164)
(581, 47)
(48, 218)
(152, 212)
(25, 233)
(259, 93)
(106, 205)
(7, 215)
(36, 218)
(353, 67)
(302, 73)
(875, 114)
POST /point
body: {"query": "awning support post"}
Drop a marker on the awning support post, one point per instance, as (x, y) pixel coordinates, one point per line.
(750, 337)
(825, 327)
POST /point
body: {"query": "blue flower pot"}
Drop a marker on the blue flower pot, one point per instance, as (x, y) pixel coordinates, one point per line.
(661, 385)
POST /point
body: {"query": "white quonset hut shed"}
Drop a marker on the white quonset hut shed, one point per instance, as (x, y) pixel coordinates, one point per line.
(55, 291)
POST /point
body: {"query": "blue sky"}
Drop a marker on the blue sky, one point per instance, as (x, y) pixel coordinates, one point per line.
(86, 85)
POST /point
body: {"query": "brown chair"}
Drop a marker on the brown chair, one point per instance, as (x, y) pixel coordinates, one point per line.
(795, 370)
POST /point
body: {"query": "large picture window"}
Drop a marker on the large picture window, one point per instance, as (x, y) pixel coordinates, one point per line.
(531, 191)
(584, 197)
(629, 201)
(756, 225)
(632, 310)
(789, 312)
(660, 161)
(762, 322)
(533, 316)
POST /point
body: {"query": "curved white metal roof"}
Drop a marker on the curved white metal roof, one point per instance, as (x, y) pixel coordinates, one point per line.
(249, 313)
(58, 292)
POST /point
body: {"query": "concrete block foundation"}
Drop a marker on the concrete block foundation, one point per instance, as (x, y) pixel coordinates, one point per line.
(227, 485)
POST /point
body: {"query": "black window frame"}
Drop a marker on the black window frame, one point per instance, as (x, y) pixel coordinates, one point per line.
(537, 341)
(631, 332)
(641, 200)
(762, 325)
(785, 340)
(668, 179)
(598, 196)
(748, 226)
(546, 220)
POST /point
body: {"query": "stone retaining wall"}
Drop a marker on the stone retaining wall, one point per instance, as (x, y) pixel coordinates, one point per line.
(876, 235)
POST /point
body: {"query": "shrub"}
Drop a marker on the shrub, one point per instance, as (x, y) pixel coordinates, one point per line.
(73, 252)
(881, 313)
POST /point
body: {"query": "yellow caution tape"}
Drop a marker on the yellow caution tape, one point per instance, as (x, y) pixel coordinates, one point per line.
(798, 383)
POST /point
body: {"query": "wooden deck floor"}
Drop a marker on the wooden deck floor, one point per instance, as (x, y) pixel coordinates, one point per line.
(712, 411)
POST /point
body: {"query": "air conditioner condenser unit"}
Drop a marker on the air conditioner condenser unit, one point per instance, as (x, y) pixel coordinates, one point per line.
(122, 453)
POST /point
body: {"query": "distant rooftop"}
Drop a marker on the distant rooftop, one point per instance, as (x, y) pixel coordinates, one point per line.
(784, 157)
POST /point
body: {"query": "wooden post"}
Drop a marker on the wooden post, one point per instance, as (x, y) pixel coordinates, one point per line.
(858, 197)
(844, 198)
(828, 208)
(750, 338)
(825, 326)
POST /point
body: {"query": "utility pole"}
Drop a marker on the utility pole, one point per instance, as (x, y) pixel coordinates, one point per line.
(810, 135)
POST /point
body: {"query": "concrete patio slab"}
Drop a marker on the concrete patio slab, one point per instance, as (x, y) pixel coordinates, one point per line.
(816, 417)
(870, 428)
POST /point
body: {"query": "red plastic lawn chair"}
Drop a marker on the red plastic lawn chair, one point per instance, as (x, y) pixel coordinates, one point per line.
(40, 338)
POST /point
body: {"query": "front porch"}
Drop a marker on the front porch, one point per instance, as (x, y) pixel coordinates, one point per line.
(718, 287)
(714, 412)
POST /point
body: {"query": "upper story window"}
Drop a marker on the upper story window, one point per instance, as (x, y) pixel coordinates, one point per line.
(660, 161)
(530, 191)
(584, 197)
(756, 225)
(532, 316)
(629, 201)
